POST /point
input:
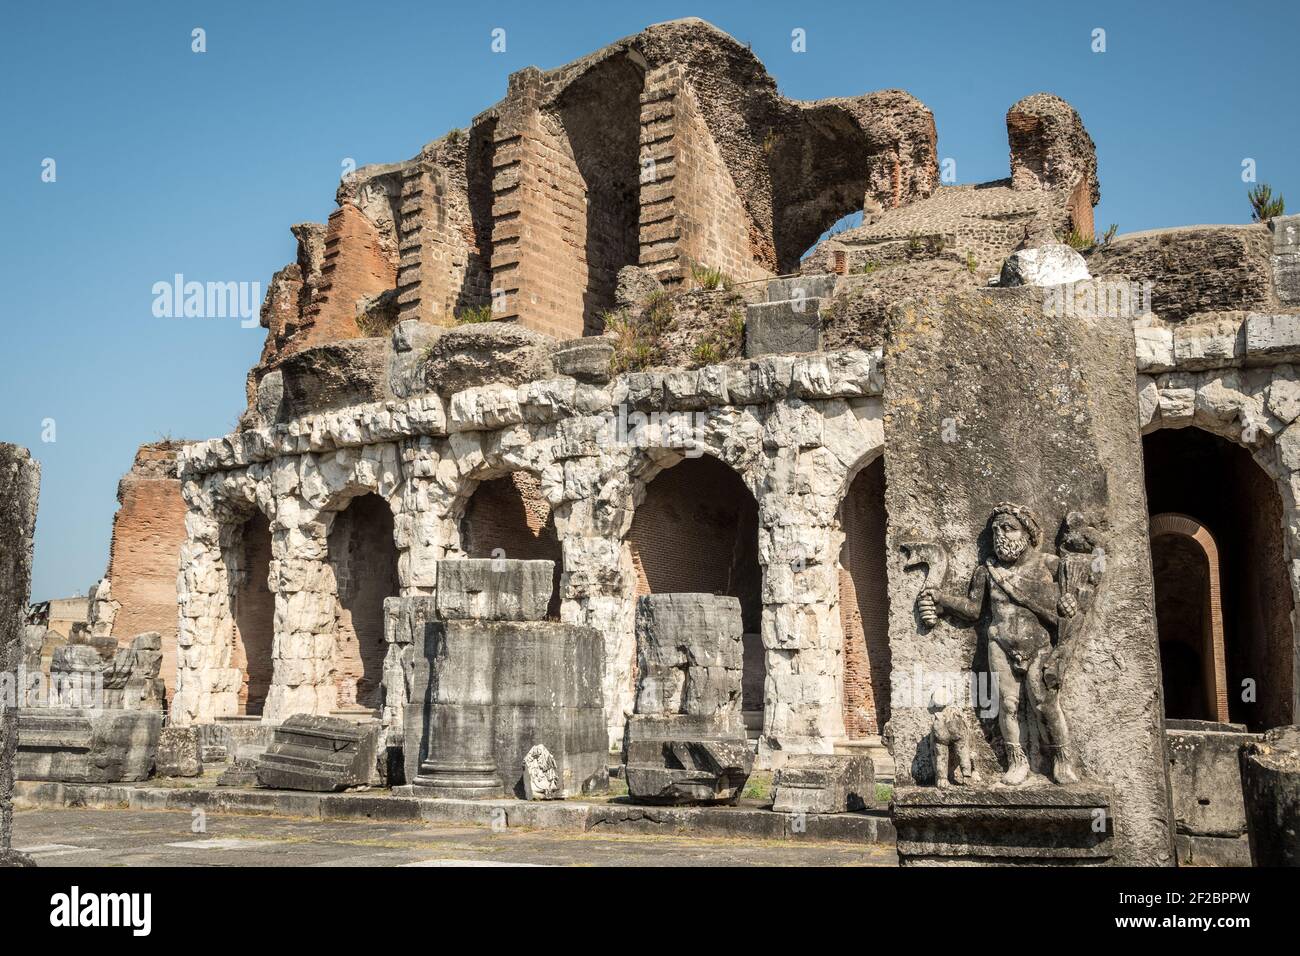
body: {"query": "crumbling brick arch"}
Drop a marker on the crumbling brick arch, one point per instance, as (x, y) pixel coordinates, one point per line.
(695, 529)
(1186, 560)
(508, 516)
(1207, 472)
(864, 599)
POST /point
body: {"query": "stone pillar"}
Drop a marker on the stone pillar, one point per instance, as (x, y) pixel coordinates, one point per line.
(20, 479)
(798, 545)
(206, 685)
(305, 614)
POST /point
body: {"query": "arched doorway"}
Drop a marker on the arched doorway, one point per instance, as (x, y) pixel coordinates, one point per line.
(864, 604)
(1189, 615)
(696, 531)
(252, 614)
(1219, 486)
(363, 557)
(509, 517)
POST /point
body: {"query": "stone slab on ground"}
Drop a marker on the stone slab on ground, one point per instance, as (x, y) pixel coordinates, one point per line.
(996, 398)
(824, 783)
(1017, 826)
(75, 745)
(135, 838)
(323, 754)
(406, 805)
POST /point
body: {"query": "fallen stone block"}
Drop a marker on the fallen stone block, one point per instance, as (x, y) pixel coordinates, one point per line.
(75, 745)
(680, 759)
(1051, 264)
(321, 754)
(824, 783)
(178, 753)
(492, 589)
(242, 772)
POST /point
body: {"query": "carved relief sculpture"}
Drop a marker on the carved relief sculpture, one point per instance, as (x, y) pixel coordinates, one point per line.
(1031, 607)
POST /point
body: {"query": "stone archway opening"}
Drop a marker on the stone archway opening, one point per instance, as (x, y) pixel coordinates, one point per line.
(252, 606)
(1189, 609)
(363, 559)
(864, 604)
(1219, 486)
(696, 531)
(509, 517)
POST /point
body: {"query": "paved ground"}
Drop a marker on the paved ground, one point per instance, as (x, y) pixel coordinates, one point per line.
(82, 838)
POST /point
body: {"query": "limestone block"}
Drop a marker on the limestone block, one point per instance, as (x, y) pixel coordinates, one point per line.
(1155, 349)
(1208, 344)
(494, 589)
(1205, 778)
(587, 360)
(689, 654)
(320, 754)
(1272, 335)
(1046, 265)
(1284, 394)
(1005, 826)
(679, 759)
(1270, 777)
(485, 693)
(824, 783)
(82, 745)
(179, 753)
(776, 328)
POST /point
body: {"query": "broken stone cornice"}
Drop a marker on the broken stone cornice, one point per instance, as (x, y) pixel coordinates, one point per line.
(773, 378)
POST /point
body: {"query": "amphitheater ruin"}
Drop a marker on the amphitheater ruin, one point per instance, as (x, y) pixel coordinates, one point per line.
(609, 326)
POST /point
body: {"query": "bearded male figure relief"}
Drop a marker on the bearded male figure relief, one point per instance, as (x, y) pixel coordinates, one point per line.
(1033, 606)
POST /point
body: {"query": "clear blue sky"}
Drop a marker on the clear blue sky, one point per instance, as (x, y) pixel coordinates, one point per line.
(170, 161)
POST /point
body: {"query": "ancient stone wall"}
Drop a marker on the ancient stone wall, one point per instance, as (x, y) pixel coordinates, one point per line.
(144, 556)
(864, 604)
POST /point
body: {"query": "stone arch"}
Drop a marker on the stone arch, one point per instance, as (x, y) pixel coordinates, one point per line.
(1189, 609)
(695, 529)
(864, 600)
(1212, 476)
(509, 517)
(363, 560)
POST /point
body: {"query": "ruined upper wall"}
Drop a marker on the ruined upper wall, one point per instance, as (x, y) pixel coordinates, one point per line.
(670, 149)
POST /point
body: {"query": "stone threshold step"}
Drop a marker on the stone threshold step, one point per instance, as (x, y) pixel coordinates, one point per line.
(872, 826)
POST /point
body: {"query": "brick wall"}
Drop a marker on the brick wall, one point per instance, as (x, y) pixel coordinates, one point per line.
(508, 517)
(253, 610)
(363, 558)
(864, 604)
(144, 556)
(355, 266)
(691, 212)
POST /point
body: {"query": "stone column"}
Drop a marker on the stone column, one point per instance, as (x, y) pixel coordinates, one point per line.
(302, 652)
(20, 479)
(803, 710)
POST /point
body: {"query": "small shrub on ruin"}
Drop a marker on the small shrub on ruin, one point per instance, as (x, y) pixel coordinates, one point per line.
(706, 352)
(1263, 206)
(735, 331)
(914, 246)
(1079, 242)
(709, 278)
(934, 245)
(867, 268)
(474, 314)
(1108, 235)
(971, 263)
